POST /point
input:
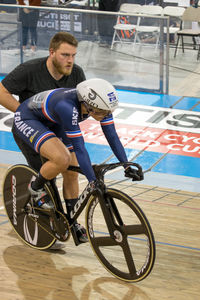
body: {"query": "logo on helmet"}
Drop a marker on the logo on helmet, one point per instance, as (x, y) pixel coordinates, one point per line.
(112, 99)
(92, 95)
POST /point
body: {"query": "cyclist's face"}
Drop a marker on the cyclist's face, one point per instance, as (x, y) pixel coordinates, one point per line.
(63, 58)
(99, 114)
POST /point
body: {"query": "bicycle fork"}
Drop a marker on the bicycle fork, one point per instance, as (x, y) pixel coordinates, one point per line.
(110, 212)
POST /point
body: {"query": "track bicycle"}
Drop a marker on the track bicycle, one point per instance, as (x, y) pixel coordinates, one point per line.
(118, 230)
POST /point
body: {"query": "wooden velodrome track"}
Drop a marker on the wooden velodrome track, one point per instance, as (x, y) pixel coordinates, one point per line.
(75, 273)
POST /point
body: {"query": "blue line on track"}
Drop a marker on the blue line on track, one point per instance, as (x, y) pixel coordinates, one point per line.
(179, 246)
(161, 243)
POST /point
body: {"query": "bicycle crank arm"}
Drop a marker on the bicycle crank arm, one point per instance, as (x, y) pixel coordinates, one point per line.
(52, 221)
(59, 225)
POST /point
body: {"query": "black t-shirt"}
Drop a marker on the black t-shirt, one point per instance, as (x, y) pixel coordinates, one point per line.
(33, 77)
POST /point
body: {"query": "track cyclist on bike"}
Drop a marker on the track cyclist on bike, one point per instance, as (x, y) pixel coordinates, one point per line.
(49, 123)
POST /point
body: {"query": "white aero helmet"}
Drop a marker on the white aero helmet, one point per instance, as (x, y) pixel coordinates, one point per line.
(98, 93)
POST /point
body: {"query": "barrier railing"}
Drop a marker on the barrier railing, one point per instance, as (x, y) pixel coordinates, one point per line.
(136, 66)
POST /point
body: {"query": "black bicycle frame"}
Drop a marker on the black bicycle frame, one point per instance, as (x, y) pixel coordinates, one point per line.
(99, 171)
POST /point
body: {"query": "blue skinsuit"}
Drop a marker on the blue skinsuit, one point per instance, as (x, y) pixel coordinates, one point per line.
(57, 113)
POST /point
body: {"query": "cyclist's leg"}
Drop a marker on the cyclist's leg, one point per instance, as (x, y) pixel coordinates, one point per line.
(40, 137)
(58, 157)
(44, 141)
(33, 158)
(71, 193)
(70, 180)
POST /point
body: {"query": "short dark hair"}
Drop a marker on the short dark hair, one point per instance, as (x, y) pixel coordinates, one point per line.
(62, 37)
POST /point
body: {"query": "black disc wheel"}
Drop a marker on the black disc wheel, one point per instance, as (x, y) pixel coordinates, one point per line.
(19, 209)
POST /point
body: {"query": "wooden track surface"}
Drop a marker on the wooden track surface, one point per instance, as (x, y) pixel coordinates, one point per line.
(75, 273)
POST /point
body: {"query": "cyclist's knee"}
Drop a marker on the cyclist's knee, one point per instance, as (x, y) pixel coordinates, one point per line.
(62, 161)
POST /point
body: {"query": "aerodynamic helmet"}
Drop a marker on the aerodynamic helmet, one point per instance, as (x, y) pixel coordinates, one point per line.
(98, 93)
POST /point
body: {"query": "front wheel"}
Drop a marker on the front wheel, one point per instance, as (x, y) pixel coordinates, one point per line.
(123, 241)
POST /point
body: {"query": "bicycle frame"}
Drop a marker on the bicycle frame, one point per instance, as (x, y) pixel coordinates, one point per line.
(84, 197)
(100, 171)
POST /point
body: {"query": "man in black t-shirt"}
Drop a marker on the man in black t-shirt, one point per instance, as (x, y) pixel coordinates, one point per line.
(34, 76)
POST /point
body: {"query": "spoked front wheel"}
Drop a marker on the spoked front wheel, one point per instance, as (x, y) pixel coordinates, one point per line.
(124, 242)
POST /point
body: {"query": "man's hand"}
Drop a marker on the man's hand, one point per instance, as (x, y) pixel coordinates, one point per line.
(134, 174)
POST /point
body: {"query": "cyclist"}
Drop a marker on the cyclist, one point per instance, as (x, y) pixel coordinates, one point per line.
(49, 123)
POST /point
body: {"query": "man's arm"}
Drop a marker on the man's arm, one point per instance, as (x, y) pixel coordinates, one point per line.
(7, 100)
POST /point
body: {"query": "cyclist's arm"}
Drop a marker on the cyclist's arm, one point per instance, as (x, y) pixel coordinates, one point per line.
(81, 154)
(74, 134)
(108, 127)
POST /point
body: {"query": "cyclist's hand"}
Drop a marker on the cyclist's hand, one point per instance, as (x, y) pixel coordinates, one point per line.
(135, 174)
